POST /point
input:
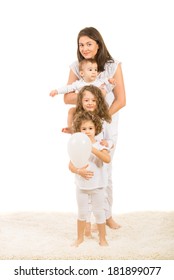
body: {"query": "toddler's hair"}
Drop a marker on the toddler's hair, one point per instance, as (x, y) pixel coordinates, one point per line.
(84, 116)
(85, 61)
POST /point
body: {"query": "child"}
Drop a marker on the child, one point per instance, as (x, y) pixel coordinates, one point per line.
(90, 99)
(89, 75)
(91, 181)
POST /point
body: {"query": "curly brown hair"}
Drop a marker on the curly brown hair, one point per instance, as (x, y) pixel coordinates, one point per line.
(102, 109)
(84, 116)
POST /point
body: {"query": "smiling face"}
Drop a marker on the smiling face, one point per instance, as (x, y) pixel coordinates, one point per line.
(88, 128)
(89, 102)
(87, 47)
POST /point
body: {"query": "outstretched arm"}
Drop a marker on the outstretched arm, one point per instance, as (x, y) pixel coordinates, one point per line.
(71, 97)
(75, 86)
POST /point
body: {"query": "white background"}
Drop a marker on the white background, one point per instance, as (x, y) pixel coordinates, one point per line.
(38, 42)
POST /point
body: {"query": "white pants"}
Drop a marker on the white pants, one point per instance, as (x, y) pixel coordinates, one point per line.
(108, 191)
(109, 188)
(96, 198)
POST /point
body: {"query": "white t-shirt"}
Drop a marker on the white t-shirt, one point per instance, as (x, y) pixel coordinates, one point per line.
(110, 69)
(100, 178)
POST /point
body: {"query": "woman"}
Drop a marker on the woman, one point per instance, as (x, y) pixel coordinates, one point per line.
(90, 44)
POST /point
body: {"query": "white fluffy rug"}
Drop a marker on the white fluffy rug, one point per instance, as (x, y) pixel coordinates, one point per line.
(48, 236)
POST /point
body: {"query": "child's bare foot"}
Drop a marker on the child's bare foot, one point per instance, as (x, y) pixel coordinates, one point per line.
(88, 230)
(67, 130)
(77, 242)
(103, 243)
(112, 224)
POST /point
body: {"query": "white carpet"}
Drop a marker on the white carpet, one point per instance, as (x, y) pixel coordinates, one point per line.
(29, 236)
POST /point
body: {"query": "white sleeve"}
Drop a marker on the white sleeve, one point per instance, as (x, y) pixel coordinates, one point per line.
(108, 134)
(75, 68)
(69, 88)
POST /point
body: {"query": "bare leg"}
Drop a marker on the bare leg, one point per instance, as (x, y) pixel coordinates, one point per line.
(67, 130)
(102, 235)
(80, 232)
(88, 230)
(70, 120)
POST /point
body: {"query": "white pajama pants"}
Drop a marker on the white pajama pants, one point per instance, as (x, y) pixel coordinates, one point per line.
(109, 188)
(109, 191)
(96, 197)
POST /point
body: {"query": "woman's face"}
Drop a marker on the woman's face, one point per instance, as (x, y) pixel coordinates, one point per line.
(88, 47)
(89, 102)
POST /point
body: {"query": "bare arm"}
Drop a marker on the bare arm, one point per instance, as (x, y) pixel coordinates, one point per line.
(87, 174)
(103, 154)
(71, 97)
(119, 92)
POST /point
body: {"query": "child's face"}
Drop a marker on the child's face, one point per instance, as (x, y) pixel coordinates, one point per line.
(89, 102)
(89, 72)
(88, 128)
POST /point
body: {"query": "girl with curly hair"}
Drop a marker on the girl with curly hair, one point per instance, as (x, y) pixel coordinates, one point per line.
(91, 180)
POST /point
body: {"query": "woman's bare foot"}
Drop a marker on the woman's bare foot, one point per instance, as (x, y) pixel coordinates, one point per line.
(103, 243)
(67, 130)
(112, 224)
(77, 242)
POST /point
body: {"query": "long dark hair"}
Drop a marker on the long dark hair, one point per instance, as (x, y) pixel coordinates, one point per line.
(103, 54)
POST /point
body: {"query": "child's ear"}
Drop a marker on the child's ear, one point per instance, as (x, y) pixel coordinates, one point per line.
(81, 74)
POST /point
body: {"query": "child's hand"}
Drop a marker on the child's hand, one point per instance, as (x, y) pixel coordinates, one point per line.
(112, 81)
(86, 174)
(103, 142)
(103, 90)
(53, 93)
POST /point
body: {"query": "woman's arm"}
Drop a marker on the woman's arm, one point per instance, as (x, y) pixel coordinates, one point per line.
(103, 154)
(119, 92)
(71, 97)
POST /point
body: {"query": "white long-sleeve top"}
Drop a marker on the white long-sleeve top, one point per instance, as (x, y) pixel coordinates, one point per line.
(77, 85)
